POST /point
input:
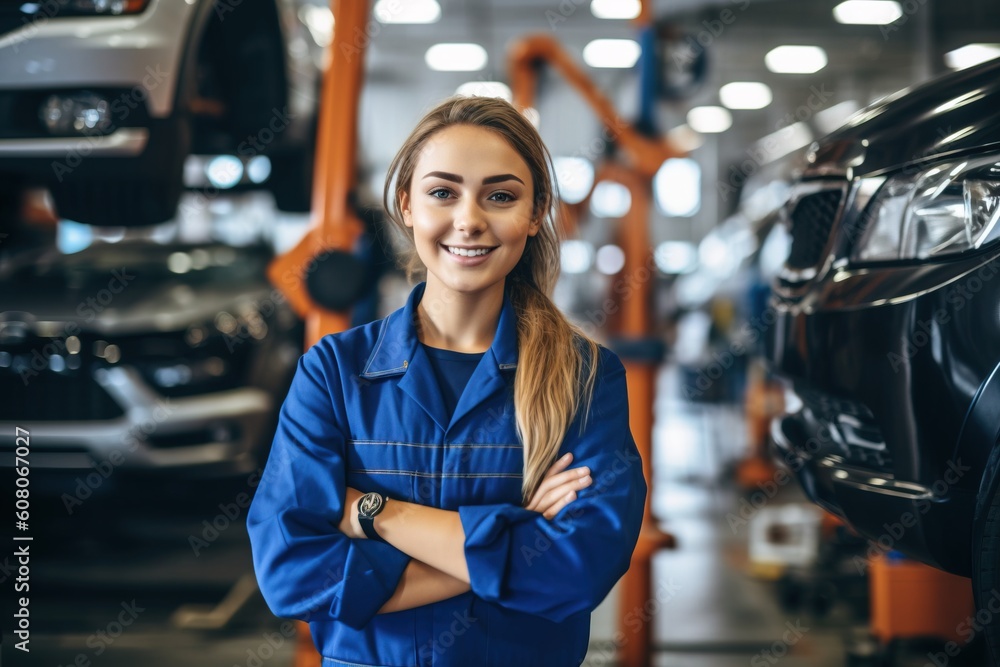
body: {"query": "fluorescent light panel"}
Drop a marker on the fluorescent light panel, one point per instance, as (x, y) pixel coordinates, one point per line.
(867, 12)
(615, 9)
(708, 120)
(745, 95)
(615, 53)
(971, 54)
(456, 57)
(407, 11)
(795, 59)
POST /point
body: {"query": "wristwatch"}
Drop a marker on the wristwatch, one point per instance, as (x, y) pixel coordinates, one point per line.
(370, 505)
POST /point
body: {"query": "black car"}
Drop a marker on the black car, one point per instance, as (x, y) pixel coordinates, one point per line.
(887, 326)
(166, 361)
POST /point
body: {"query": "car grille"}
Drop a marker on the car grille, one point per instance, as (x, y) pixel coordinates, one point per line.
(812, 219)
(38, 384)
(859, 437)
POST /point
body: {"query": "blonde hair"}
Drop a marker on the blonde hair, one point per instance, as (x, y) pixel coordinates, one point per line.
(556, 360)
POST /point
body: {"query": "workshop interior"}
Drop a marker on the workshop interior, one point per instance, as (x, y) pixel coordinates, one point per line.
(781, 215)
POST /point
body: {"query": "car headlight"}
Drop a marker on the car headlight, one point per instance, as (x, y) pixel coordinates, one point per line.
(947, 208)
(86, 8)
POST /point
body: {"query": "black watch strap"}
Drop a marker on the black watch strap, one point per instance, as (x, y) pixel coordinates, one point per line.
(370, 505)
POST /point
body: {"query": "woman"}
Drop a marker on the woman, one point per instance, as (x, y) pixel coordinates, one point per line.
(418, 507)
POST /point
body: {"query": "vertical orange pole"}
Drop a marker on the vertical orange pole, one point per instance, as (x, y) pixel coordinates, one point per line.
(334, 224)
(635, 324)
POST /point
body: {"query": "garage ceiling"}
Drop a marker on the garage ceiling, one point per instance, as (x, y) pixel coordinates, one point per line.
(865, 63)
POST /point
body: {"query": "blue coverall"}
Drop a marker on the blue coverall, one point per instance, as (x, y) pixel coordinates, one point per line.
(364, 410)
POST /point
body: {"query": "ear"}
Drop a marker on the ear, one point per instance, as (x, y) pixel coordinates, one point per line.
(534, 226)
(404, 207)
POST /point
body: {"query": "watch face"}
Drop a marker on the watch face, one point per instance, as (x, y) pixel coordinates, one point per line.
(370, 504)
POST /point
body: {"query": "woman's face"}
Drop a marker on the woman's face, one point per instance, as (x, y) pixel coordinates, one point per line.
(469, 189)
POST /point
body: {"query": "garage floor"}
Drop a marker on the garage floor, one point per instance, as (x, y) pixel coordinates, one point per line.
(133, 563)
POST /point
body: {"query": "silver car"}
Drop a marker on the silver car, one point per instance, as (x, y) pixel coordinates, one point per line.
(157, 358)
(102, 101)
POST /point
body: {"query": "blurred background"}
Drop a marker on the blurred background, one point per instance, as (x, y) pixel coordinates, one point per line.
(157, 157)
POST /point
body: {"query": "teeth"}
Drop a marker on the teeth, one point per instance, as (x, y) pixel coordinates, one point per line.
(468, 253)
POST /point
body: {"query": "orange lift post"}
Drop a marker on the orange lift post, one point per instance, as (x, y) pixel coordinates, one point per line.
(335, 226)
(643, 157)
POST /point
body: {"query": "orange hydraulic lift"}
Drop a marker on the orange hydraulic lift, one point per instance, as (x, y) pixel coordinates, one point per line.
(335, 227)
(643, 156)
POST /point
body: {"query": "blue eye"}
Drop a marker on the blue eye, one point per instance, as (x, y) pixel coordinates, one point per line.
(508, 197)
(435, 193)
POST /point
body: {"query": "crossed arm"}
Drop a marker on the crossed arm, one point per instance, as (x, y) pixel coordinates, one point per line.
(435, 540)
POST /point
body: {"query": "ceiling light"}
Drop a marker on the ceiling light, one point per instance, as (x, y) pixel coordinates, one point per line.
(676, 257)
(410, 11)
(677, 187)
(709, 119)
(795, 59)
(610, 259)
(615, 9)
(456, 57)
(867, 12)
(576, 256)
(610, 200)
(575, 177)
(971, 54)
(621, 53)
(745, 95)
(684, 138)
(485, 89)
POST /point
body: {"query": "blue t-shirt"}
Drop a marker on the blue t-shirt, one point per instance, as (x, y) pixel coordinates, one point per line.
(453, 370)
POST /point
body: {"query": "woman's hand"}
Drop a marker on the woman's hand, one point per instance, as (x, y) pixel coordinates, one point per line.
(559, 487)
(349, 522)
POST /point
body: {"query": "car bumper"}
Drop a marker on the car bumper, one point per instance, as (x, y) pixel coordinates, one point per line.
(218, 433)
(883, 368)
(143, 51)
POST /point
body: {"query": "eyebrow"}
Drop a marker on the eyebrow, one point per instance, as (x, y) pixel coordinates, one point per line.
(499, 178)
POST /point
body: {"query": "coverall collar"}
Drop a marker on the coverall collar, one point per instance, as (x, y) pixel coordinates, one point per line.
(398, 352)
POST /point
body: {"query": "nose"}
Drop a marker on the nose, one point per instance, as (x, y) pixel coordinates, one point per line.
(469, 217)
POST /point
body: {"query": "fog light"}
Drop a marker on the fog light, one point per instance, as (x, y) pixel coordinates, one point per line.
(83, 113)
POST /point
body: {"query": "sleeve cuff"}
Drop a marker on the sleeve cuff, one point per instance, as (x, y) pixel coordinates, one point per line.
(371, 575)
(488, 545)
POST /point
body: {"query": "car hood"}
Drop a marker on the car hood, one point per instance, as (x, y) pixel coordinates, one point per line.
(130, 288)
(954, 113)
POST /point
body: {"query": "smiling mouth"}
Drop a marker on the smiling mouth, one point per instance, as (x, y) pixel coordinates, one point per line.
(462, 252)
